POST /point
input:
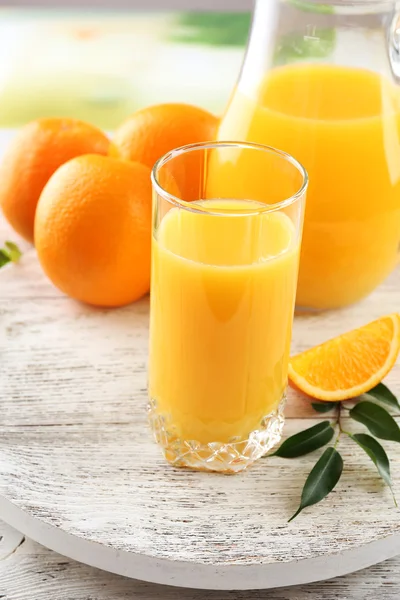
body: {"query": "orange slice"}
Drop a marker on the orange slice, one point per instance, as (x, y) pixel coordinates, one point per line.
(350, 364)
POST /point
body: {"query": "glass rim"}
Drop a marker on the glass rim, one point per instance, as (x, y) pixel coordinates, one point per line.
(198, 208)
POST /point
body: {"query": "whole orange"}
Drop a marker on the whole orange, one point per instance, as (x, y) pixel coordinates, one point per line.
(92, 230)
(151, 132)
(37, 151)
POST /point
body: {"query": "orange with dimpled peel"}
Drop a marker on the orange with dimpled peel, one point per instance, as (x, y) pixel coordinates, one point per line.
(348, 365)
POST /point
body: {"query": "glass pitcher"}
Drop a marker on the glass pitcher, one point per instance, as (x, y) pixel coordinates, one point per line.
(320, 81)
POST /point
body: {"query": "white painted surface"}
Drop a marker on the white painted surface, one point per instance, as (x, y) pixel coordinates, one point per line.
(10, 540)
(32, 571)
(79, 472)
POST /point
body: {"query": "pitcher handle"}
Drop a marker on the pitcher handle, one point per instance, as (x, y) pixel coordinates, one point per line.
(394, 45)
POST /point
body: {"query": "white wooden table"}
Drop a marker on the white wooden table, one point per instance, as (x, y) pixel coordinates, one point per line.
(28, 570)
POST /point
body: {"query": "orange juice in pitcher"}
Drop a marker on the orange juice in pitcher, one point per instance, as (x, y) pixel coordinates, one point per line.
(320, 82)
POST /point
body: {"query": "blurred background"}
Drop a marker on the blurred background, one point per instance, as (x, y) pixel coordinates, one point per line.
(105, 59)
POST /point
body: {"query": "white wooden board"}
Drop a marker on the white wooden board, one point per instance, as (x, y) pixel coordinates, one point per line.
(30, 566)
(80, 474)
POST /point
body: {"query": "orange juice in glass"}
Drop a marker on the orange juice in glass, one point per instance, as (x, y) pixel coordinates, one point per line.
(224, 273)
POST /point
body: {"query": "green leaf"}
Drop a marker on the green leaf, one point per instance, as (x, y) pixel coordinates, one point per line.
(376, 418)
(306, 441)
(322, 479)
(376, 453)
(324, 407)
(382, 394)
(4, 258)
(13, 251)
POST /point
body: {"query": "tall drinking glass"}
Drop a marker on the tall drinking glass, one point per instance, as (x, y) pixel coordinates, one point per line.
(225, 255)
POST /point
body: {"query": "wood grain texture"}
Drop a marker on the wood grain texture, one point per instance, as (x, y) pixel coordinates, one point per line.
(10, 540)
(75, 452)
(32, 571)
(76, 455)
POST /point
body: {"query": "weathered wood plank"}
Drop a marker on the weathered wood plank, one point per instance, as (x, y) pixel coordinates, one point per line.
(10, 540)
(35, 572)
(109, 483)
(75, 452)
(53, 347)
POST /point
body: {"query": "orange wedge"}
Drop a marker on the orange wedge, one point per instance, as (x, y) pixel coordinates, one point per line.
(350, 364)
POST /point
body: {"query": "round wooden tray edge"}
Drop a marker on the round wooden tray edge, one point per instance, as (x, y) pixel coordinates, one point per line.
(194, 575)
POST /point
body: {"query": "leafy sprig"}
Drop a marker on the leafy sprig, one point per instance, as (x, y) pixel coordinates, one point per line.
(322, 479)
(370, 410)
(10, 253)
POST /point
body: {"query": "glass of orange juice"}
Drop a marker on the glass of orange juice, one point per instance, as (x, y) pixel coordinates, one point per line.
(225, 255)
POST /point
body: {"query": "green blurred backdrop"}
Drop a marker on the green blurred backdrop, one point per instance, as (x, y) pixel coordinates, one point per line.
(102, 66)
